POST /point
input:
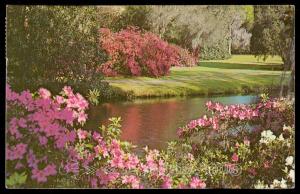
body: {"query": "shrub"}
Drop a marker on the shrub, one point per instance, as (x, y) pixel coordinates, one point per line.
(131, 52)
(252, 142)
(39, 122)
(93, 96)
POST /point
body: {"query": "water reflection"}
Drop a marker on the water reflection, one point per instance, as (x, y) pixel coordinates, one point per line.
(154, 122)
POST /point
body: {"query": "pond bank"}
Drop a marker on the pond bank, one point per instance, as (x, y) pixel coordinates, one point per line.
(199, 81)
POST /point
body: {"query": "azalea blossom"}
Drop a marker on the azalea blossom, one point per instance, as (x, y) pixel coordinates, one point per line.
(197, 183)
(267, 136)
(68, 91)
(43, 140)
(235, 157)
(280, 138)
(82, 134)
(167, 183)
(246, 142)
(289, 161)
(44, 93)
(291, 175)
(39, 175)
(283, 183)
(131, 179)
(60, 99)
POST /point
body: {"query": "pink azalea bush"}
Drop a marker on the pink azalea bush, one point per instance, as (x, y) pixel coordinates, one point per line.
(39, 123)
(132, 52)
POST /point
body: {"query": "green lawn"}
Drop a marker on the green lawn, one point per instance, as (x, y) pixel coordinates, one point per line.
(198, 81)
(245, 62)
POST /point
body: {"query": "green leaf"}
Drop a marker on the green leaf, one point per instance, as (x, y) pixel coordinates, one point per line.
(89, 145)
(16, 179)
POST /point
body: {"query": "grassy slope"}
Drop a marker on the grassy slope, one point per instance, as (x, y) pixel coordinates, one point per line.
(245, 62)
(198, 81)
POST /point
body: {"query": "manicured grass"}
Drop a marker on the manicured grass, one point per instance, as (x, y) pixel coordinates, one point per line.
(199, 81)
(245, 62)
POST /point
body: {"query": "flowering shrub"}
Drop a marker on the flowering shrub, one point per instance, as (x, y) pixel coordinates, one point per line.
(37, 123)
(252, 142)
(132, 52)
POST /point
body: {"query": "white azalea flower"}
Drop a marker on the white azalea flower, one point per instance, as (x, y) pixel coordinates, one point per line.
(272, 137)
(267, 136)
(283, 183)
(276, 183)
(289, 161)
(264, 133)
(280, 138)
(292, 175)
(262, 141)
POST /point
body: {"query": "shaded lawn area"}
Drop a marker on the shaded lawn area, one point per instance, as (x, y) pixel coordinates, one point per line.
(245, 62)
(199, 81)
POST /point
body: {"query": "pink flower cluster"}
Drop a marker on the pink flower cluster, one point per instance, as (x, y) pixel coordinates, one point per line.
(120, 159)
(44, 93)
(153, 165)
(132, 180)
(16, 152)
(197, 183)
(105, 178)
(77, 103)
(41, 175)
(101, 148)
(227, 113)
(44, 123)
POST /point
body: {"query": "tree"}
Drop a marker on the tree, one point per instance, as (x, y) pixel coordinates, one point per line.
(47, 43)
(134, 16)
(273, 34)
(197, 27)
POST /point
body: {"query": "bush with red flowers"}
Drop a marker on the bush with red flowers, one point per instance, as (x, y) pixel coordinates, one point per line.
(133, 52)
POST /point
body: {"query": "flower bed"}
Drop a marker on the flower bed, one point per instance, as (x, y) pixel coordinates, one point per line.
(47, 147)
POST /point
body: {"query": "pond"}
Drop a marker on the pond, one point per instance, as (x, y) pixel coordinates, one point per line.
(153, 122)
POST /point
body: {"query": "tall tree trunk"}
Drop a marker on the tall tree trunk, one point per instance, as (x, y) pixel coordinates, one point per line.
(292, 78)
(281, 82)
(286, 65)
(229, 41)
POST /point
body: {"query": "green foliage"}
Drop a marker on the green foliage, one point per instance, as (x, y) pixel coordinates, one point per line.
(218, 51)
(16, 179)
(93, 96)
(134, 16)
(52, 45)
(264, 97)
(249, 9)
(112, 131)
(273, 32)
